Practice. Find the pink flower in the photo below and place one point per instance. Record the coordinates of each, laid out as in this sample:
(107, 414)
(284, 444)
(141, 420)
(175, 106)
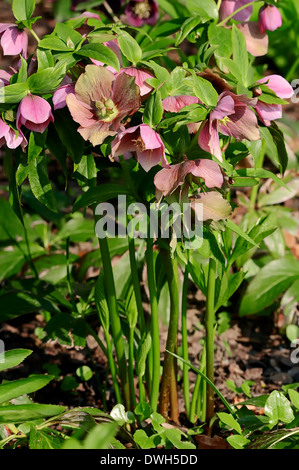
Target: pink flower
(34, 113)
(232, 117)
(269, 18)
(256, 41)
(10, 137)
(139, 12)
(229, 6)
(174, 104)
(140, 79)
(169, 179)
(142, 141)
(4, 78)
(101, 101)
(14, 41)
(59, 96)
(270, 112)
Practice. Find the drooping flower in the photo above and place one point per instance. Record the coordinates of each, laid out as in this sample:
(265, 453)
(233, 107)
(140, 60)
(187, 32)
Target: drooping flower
(172, 177)
(101, 101)
(139, 12)
(269, 18)
(232, 117)
(4, 78)
(140, 79)
(211, 206)
(269, 112)
(141, 141)
(174, 104)
(229, 6)
(59, 96)
(256, 41)
(34, 113)
(14, 41)
(11, 137)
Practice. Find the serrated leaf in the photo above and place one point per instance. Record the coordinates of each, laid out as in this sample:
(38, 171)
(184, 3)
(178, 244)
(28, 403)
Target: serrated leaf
(101, 53)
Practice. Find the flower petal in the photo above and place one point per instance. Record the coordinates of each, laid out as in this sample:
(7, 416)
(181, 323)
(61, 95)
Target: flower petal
(208, 170)
(279, 85)
(256, 41)
(14, 41)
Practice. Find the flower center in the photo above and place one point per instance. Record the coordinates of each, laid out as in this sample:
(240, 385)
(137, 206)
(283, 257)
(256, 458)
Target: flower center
(106, 110)
(142, 9)
(140, 145)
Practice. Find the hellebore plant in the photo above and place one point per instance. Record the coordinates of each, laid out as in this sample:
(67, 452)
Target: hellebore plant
(102, 97)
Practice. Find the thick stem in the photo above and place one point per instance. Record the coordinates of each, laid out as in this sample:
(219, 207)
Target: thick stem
(116, 329)
(168, 390)
(186, 385)
(155, 330)
(259, 162)
(210, 319)
(131, 367)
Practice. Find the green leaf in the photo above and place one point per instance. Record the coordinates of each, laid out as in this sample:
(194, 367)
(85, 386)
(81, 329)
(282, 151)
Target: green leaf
(129, 47)
(294, 397)
(84, 373)
(175, 436)
(14, 304)
(207, 9)
(270, 282)
(235, 228)
(12, 94)
(53, 44)
(142, 353)
(121, 416)
(144, 441)
(66, 129)
(45, 439)
(102, 193)
(204, 90)
(86, 172)
(101, 436)
(23, 9)
(278, 408)
(275, 145)
(153, 111)
(36, 145)
(46, 80)
(230, 421)
(186, 28)
(69, 35)
(13, 357)
(16, 388)
(240, 53)
(40, 183)
(238, 442)
(21, 413)
(100, 52)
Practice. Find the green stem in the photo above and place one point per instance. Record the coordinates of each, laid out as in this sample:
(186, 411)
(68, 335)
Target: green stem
(210, 319)
(168, 392)
(186, 385)
(34, 35)
(219, 4)
(234, 13)
(116, 329)
(136, 284)
(155, 330)
(131, 367)
(259, 162)
(197, 396)
(68, 277)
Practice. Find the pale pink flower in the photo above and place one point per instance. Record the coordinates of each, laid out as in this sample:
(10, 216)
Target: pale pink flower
(101, 101)
(10, 137)
(269, 18)
(256, 41)
(143, 143)
(14, 41)
(270, 112)
(170, 178)
(34, 113)
(140, 79)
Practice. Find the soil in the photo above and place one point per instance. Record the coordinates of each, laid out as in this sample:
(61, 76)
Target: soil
(252, 348)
